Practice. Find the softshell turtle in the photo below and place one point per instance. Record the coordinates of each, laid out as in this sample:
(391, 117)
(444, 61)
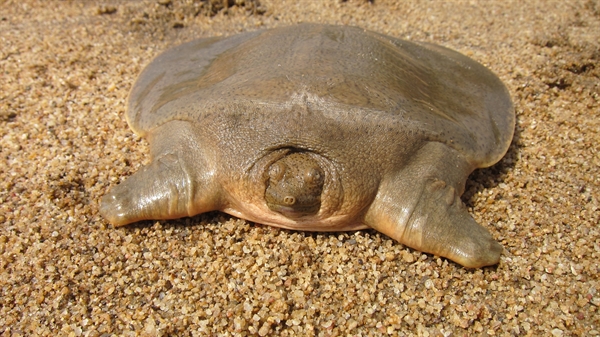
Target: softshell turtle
(319, 128)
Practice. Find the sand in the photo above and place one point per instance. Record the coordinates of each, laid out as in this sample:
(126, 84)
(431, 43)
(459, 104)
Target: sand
(66, 68)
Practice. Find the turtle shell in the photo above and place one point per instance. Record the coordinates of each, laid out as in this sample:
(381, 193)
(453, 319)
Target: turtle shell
(341, 72)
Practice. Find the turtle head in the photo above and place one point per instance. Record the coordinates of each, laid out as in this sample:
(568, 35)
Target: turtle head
(294, 185)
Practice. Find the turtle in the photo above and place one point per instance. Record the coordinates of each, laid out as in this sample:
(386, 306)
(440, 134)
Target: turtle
(318, 127)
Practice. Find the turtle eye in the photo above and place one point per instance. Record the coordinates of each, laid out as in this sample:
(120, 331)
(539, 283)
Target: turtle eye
(277, 171)
(313, 176)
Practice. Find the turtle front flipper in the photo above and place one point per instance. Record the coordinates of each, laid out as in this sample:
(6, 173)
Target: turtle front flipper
(421, 208)
(179, 182)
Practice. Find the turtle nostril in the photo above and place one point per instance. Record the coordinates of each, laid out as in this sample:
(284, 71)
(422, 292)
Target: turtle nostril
(289, 200)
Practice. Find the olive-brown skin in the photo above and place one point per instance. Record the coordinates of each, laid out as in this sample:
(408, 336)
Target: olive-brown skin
(318, 127)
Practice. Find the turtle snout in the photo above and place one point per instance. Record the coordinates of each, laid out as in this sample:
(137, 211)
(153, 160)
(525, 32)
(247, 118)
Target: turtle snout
(289, 200)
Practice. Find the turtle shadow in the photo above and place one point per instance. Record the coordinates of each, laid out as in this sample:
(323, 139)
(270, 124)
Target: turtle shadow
(490, 177)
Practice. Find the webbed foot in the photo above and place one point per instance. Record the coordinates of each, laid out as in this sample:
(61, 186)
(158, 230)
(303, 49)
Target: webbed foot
(161, 190)
(447, 229)
(420, 207)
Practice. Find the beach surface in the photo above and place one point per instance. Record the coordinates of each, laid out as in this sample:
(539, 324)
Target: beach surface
(66, 68)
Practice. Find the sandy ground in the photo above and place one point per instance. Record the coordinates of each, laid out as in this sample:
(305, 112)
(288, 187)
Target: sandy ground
(66, 68)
